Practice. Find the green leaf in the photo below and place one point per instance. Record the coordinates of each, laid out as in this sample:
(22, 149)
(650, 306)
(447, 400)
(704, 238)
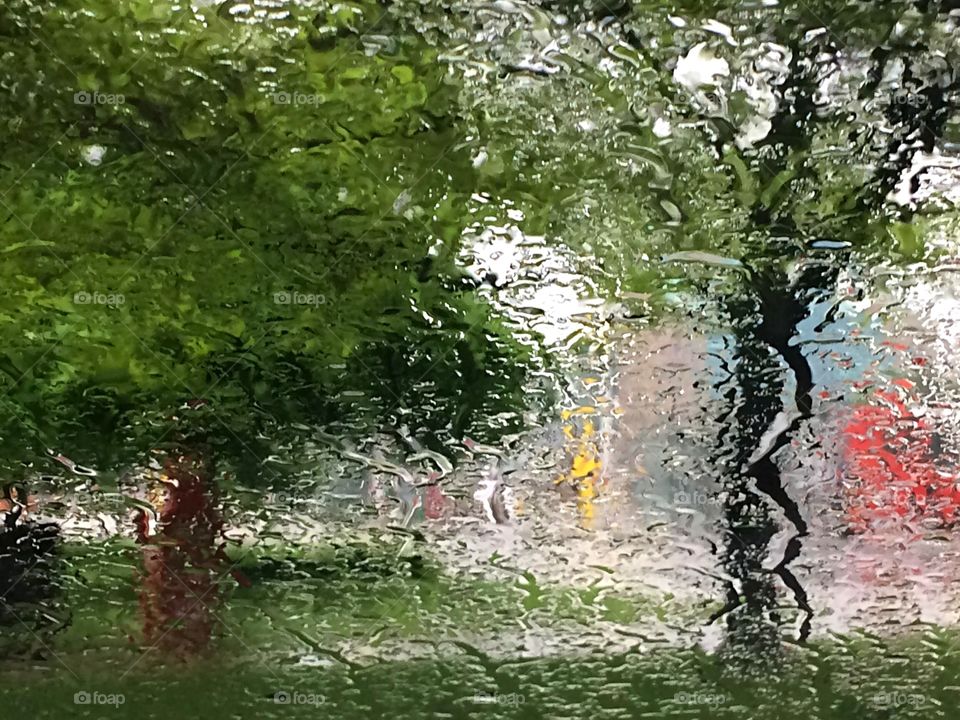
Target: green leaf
(403, 73)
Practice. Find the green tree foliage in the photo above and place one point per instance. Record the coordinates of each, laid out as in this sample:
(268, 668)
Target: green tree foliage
(331, 149)
(278, 201)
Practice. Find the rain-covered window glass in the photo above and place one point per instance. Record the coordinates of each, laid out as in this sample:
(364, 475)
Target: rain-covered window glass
(461, 359)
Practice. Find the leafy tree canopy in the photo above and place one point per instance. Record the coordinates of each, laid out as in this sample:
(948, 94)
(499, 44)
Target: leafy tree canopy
(253, 212)
(279, 191)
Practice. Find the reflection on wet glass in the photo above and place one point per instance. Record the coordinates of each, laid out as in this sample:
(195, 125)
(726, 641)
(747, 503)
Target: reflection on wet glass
(514, 359)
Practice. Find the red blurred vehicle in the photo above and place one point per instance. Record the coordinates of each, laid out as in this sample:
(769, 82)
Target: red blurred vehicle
(893, 470)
